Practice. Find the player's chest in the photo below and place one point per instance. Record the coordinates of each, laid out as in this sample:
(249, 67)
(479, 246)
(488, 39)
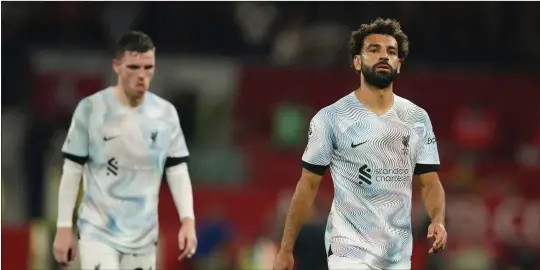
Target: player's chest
(376, 136)
(129, 132)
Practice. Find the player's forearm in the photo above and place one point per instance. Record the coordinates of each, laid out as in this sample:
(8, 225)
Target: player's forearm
(180, 186)
(67, 193)
(434, 201)
(298, 212)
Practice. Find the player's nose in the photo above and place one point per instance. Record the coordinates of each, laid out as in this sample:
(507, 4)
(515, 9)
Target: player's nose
(383, 55)
(141, 75)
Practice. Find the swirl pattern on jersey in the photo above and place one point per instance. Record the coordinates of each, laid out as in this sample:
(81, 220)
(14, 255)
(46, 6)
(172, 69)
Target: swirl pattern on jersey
(372, 161)
(127, 150)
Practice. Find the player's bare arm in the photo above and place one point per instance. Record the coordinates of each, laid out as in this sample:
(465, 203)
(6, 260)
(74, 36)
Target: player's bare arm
(304, 195)
(434, 201)
(357, 137)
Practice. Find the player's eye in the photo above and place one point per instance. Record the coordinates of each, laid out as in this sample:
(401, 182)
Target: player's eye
(148, 67)
(133, 67)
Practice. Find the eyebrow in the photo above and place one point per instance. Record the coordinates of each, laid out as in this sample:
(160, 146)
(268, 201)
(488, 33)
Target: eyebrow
(378, 46)
(138, 66)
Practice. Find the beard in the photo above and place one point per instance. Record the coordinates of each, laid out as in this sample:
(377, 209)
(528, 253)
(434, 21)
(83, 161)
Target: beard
(379, 79)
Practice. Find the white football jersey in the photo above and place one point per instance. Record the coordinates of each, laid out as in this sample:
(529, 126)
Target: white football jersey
(126, 151)
(372, 160)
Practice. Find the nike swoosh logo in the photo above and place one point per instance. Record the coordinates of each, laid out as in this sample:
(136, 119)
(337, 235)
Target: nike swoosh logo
(355, 145)
(109, 138)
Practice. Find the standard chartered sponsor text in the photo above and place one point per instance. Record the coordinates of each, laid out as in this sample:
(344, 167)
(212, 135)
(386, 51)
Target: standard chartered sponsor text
(392, 174)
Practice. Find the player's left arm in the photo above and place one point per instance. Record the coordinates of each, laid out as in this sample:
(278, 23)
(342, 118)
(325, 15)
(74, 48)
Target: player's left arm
(176, 170)
(426, 171)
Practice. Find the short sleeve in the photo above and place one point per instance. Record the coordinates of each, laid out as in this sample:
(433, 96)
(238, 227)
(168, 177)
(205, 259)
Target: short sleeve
(76, 144)
(428, 156)
(178, 150)
(320, 146)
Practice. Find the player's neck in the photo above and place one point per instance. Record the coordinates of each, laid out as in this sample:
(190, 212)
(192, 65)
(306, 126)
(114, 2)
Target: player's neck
(377, 100)
(126, 100)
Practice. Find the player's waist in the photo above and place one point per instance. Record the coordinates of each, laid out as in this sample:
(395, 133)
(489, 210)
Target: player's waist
(379, 211)
(373, 209)
(372, 225)
(384, 233)
(113, 202)
(126, 240)
(371, 254)
(116, 221)
(145, 246)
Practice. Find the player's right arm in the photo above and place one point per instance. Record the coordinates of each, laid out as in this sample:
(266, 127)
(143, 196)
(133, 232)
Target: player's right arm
(315, 161)
(304, 195)
(75, 150)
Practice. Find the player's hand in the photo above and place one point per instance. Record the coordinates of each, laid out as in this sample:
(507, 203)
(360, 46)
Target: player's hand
(284, 261)
(64, 247)
(187, 239)
(437, 232)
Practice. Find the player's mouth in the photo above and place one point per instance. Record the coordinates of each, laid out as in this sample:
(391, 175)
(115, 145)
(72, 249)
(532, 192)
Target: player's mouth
(141, 85)
(383, 67)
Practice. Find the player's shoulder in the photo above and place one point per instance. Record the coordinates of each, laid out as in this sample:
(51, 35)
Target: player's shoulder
(336, 114)
(160, 107)
(338, 108)
(326, 114)
(402, 103)
(159, 102)
(93, 101)
(409, 109)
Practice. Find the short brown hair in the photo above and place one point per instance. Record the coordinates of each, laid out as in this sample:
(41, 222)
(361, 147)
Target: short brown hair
(381, 26)
(133, 41)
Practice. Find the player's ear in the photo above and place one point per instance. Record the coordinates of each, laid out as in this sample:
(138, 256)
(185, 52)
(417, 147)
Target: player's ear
(116, 65)
(399, 66)
(357, 63)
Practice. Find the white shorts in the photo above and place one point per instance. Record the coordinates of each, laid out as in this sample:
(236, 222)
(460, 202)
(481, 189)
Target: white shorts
(341, 263)
(95, 255)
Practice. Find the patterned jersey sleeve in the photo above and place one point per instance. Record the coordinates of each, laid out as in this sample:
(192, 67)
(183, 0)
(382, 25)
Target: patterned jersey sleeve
(320, 146)
(178, 150)
(428, 157)
(75, 146)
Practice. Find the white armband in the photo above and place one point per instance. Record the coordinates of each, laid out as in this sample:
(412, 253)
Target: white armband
(67, 194)
(180, 186)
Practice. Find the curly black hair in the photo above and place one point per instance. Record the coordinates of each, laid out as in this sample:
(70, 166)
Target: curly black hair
(382, 26)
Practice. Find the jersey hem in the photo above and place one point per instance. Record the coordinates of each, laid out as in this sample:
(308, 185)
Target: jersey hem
(362, 255)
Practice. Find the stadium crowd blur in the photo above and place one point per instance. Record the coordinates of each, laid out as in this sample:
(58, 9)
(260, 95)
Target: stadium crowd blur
(246, 77)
